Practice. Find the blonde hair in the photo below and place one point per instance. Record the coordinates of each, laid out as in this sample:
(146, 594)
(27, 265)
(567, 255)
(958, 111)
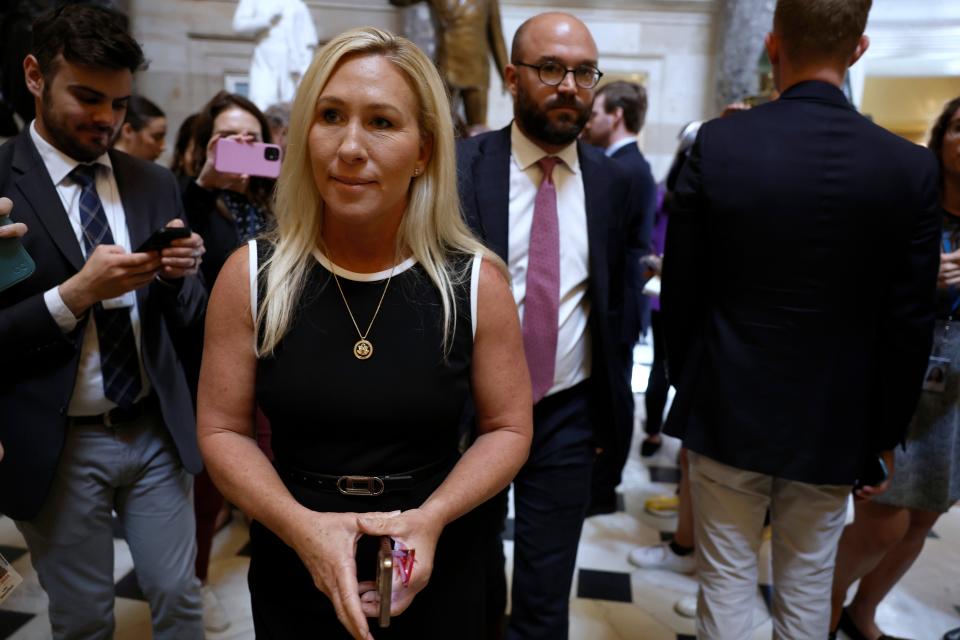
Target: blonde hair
(432, 227)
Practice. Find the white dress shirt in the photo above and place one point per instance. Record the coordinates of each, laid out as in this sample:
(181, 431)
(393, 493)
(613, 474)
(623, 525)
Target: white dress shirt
(573, 338)
(88, 396)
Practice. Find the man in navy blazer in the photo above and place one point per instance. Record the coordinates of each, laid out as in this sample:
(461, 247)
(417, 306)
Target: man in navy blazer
(97, 416)
(583, 401)
(618, 114)
(798, 291)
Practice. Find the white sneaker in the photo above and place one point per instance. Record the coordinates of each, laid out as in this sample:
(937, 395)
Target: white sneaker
(214, 617)
(661, 556)
(686, 606)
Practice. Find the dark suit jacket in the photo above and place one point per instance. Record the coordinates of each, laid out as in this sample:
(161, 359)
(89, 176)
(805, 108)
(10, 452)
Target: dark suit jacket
(798, 287)
(40, 361)
(636, 306)
(483, 168)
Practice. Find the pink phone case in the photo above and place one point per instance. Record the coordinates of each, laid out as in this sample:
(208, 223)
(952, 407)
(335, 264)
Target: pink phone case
(257, 159)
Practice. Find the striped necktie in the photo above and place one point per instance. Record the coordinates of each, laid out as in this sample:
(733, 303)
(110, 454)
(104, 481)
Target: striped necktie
(118, 349)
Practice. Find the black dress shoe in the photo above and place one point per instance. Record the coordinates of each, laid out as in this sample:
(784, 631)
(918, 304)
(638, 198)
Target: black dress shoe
(648, 448)
(953, 634)
(850, 629)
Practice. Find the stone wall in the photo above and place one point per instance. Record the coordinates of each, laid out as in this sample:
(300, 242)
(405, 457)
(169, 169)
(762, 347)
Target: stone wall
(193, 52)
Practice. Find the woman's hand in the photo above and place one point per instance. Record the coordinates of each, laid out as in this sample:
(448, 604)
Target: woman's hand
(415, 529)
(949, 274)
(327, 545)
(210, 178)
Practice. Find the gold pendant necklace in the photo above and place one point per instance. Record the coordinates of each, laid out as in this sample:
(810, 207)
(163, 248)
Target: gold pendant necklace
(362, 348)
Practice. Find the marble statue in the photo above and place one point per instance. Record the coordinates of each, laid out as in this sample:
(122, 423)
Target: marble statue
(286, 40)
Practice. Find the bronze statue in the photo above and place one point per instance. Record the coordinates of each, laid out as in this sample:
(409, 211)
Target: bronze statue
(468, 31)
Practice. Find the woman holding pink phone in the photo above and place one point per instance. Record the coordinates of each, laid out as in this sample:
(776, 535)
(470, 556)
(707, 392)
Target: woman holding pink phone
(226, 209)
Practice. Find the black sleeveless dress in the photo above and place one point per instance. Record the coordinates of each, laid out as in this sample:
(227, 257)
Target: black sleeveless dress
(397, 411)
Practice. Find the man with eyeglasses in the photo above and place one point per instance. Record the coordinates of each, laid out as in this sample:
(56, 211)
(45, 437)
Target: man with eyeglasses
(554, 210)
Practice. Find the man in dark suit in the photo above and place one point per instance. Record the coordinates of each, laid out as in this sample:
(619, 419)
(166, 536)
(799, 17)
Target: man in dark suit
(618, 114)
(798, 291)
(97, 416)
(553, 209)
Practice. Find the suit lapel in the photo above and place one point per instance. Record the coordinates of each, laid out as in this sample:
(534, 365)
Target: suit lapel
(596, 201)
(492, 187)
(135, 203)
(37, 189)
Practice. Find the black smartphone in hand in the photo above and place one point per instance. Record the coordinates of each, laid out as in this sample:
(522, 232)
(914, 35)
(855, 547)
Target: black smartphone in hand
(163, 238)
(874, 473)
(15, 263)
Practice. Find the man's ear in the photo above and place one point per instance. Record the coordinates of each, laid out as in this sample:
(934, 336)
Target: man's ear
(510, 79)
(618, 117)
(33, 76)
(862, 45)
(126, 130)
(772, 44)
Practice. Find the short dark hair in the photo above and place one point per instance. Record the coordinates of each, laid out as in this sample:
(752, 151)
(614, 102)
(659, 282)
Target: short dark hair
(939, 130)
(820, 30)
(85, 34)
(629, 96)
(278, 115)
(140, 111)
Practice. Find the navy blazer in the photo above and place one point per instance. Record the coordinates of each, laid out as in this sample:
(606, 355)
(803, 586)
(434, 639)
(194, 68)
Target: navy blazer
(636, 306)
(40, 361)
(798, 287)
(613, 227)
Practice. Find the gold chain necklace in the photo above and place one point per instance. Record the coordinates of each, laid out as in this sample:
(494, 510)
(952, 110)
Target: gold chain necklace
(363, 348)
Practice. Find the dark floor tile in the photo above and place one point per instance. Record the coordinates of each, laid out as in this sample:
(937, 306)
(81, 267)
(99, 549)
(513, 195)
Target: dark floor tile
(604, 585)
(933, 535)
(766, 591)
(682, 636)
(10, 621)
(245, 551)
(12, 554)
(508, 529)
(664, 474)
(666, 536)
(620, 505)
(128, 587)
(957, 607)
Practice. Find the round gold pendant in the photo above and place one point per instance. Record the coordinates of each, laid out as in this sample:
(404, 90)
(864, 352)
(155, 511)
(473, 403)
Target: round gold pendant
(363, 349)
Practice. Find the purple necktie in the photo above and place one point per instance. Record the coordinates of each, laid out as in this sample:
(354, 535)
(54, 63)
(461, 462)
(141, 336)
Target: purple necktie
(541, 312)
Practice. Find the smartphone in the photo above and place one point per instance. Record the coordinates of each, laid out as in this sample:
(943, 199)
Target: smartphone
(16, 264)
(163, 238)
(257, 159)
(874, 473)
(385, 579)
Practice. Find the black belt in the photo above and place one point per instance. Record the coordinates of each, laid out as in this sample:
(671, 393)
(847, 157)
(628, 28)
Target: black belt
(351, 485)
(119, 416)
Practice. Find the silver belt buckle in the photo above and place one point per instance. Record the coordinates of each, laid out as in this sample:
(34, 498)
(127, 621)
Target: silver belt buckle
(360, 485)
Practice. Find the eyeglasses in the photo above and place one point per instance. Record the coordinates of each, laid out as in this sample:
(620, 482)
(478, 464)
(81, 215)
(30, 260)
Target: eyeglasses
(554, 73)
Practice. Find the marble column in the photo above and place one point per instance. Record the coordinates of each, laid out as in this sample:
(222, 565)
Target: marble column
(742, 27)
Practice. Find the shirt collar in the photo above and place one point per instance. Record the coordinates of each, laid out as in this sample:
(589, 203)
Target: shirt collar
(527, 153)
(59, 165)
(619, 144)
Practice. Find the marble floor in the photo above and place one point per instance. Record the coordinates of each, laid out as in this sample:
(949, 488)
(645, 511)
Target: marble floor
(610, 599)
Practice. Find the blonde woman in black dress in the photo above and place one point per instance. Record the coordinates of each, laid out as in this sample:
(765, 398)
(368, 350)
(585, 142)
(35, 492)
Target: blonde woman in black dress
(361, 327)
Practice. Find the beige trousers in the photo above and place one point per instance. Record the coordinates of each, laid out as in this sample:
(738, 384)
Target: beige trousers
(729, 506)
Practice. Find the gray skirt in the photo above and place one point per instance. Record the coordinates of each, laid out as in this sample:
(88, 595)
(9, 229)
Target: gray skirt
(927, 473)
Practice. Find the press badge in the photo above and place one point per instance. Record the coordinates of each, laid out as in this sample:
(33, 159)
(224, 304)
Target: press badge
(938, 369)
(9, 578)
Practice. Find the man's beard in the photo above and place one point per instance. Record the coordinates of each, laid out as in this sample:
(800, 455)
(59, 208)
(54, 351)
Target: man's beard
(63, 139)
(538, 126)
